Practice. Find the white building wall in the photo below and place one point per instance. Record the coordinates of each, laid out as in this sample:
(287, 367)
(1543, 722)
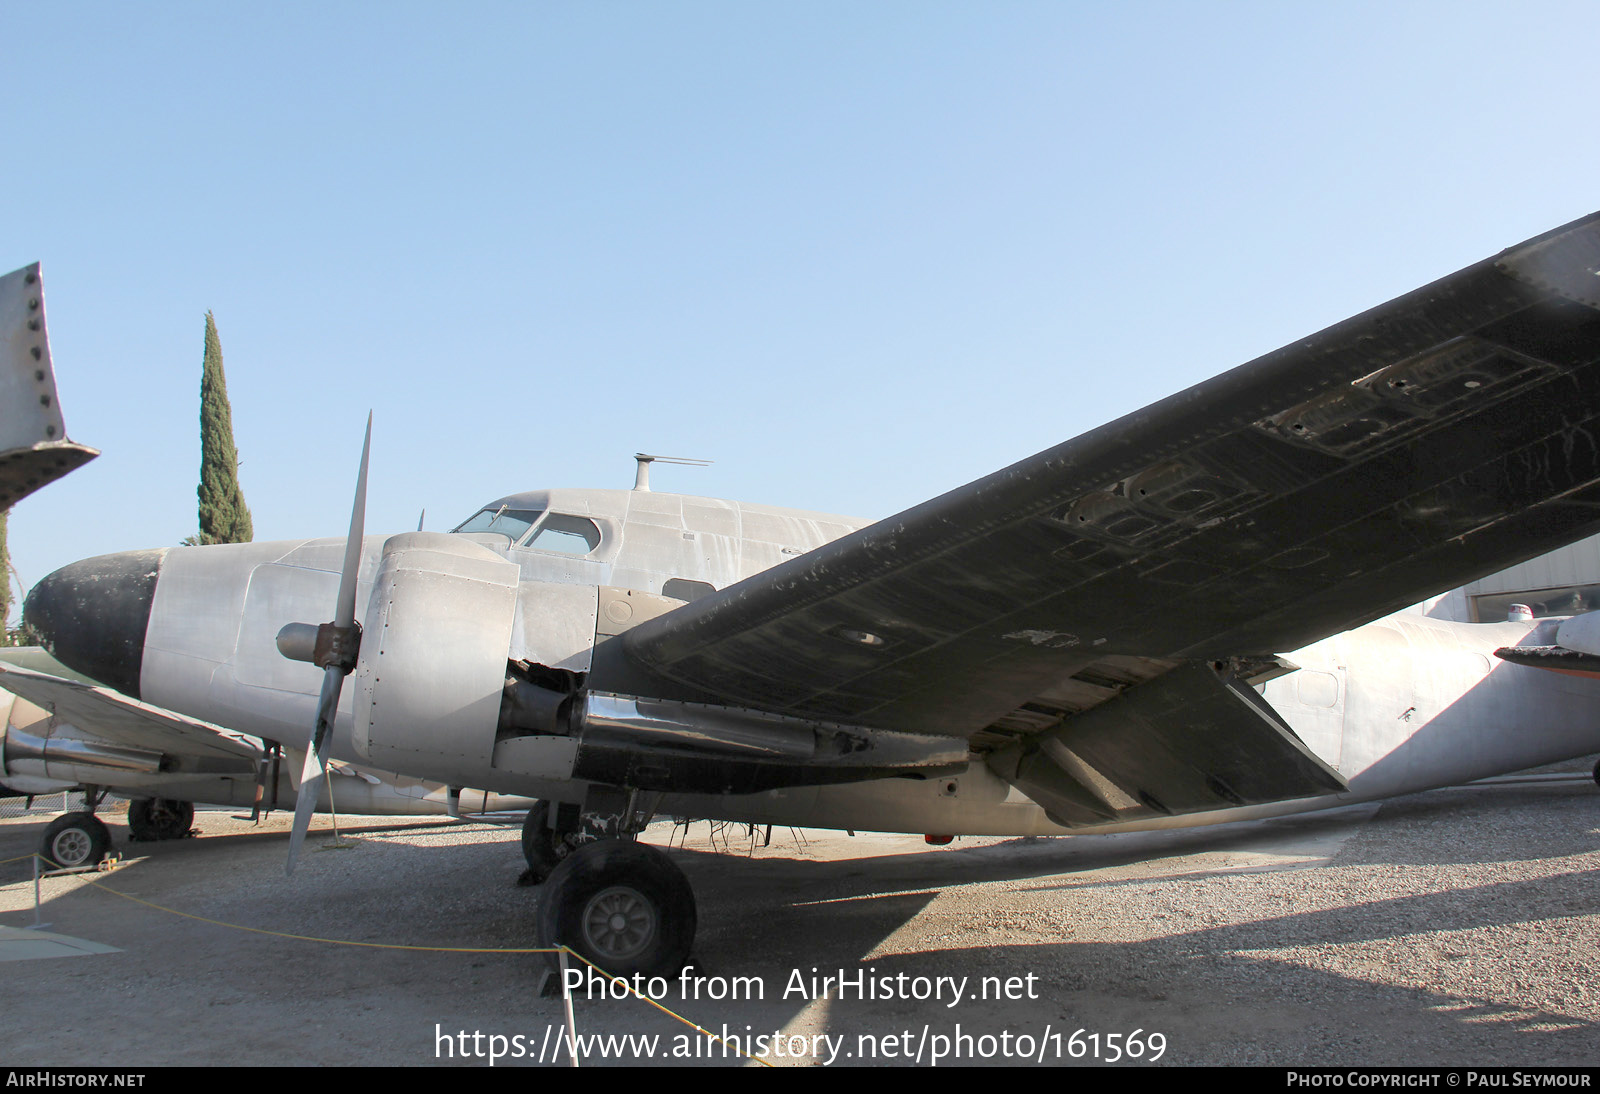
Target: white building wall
(1575, 564)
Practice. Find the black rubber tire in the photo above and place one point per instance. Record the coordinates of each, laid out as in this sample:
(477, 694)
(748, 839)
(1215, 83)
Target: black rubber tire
(152, 819)
(75, 840)
(1597, 772)
(622, 905)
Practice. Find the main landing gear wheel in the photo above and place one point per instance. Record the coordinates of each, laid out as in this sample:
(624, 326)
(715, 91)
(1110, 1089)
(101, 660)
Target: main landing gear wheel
(544, 848)
(152, 819)
(622, 905)
(74, 840)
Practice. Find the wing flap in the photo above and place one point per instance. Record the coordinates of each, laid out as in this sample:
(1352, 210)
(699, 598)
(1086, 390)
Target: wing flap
(1190, 741)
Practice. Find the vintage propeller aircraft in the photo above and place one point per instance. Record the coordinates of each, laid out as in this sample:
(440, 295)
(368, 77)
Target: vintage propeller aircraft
(1140, 627)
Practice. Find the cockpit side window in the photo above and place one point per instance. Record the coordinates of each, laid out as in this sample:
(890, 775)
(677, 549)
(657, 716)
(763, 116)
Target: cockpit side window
(513, 523)
(566, 535)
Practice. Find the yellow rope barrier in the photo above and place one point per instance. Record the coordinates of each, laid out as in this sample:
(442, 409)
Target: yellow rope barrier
(662, 1009)
(97, 883)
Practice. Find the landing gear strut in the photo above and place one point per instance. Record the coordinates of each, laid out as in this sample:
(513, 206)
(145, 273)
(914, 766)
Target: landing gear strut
(546, 842)
(544, 846)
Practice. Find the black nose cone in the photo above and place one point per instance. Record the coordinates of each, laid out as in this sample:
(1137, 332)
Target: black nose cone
(92, 615)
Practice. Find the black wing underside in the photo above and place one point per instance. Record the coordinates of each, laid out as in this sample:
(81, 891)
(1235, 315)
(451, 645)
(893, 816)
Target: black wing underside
(1444, 435)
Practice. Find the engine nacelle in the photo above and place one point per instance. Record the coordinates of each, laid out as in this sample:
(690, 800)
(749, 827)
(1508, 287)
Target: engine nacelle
(445, 690)
(433, 657)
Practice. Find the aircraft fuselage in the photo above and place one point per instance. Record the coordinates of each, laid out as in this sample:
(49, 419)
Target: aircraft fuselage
(1402, 704)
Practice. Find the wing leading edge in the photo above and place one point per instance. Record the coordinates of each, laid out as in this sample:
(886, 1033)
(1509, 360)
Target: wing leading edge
(1441, 436)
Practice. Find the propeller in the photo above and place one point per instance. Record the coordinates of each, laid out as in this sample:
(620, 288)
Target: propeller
(334, 649)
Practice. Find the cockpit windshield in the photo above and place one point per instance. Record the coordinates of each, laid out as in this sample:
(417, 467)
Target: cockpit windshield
(504, 520)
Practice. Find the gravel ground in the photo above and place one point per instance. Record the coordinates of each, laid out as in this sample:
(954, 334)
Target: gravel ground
(1455, 927)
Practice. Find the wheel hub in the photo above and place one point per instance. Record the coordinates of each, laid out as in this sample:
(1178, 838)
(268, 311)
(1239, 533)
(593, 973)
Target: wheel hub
(619, 923)
(72, 847)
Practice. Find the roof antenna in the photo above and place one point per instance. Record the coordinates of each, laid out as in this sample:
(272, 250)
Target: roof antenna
(641, 477)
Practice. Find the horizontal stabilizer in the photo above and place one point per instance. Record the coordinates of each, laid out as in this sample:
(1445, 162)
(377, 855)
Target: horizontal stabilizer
(1575, 652)
(1555, 658)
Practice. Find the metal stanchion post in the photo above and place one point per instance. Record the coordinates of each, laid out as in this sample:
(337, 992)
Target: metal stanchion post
(566, 996)
(37, 925)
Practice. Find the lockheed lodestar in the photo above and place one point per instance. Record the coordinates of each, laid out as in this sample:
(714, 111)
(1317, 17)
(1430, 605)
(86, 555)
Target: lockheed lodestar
(1169, 620)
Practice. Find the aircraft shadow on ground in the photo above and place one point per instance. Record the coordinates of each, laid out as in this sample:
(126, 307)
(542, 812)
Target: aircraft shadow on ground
(767, 916)
(1221, 984)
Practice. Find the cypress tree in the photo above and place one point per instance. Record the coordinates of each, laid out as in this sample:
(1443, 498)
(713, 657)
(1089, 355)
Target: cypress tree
(224, 517)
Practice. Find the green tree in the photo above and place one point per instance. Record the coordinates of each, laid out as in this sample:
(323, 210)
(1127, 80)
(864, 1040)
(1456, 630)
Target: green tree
(224, 517)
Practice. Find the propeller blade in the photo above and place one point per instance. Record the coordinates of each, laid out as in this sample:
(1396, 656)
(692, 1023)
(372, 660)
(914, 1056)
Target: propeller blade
(346, 613)
(316, 765)
(347, 643)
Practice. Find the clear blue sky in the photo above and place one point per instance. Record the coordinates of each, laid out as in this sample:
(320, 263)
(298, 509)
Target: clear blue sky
(856, 253)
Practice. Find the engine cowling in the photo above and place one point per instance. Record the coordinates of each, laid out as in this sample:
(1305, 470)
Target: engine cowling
(433, 657)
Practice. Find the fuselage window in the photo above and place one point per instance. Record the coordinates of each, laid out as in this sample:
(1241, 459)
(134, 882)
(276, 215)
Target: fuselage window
(1317, 689)
(566, 535)
(507, 522)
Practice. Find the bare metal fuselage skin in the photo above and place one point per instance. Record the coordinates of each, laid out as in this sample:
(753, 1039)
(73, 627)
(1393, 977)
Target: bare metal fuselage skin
(1403, 704)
